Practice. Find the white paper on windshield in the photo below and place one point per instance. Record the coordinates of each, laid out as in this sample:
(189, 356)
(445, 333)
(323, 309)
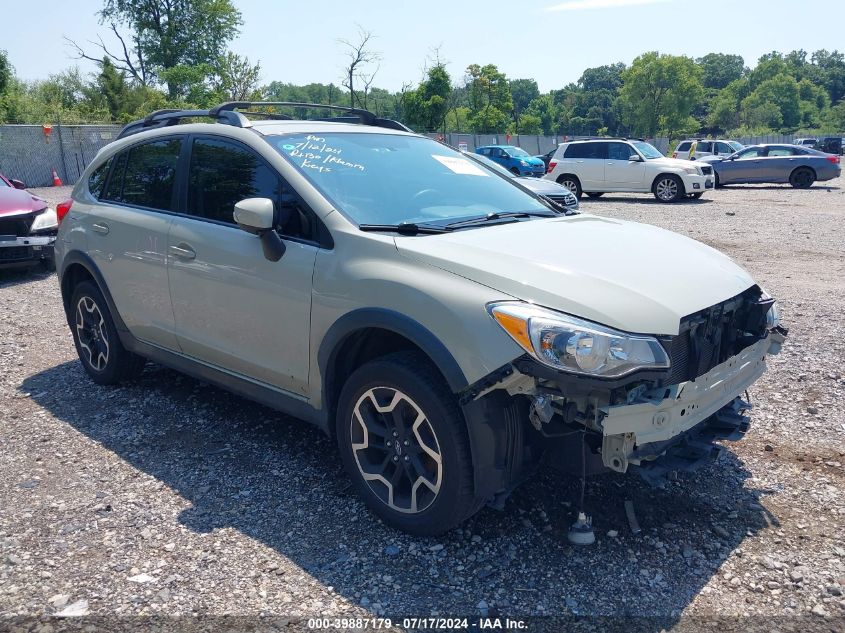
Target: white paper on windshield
(460, 165)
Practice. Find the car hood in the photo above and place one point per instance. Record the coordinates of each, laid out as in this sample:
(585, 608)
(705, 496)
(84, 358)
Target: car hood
(711, 159)
(531, 160)
(630, 276)
(16, 201)
(541, 186)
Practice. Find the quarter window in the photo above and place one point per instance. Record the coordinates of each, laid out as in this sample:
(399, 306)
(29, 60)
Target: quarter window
(223, 173)
(97, 179)
(145, 174)
(587, 150)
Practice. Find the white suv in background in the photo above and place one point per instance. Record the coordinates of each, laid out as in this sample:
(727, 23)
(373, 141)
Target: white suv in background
(597, 166)
(693, 148)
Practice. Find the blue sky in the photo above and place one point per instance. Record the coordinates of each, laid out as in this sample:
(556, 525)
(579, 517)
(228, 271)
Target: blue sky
(551, 41)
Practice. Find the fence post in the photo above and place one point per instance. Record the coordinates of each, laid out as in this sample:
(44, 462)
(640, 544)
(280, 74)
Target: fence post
(61, 147)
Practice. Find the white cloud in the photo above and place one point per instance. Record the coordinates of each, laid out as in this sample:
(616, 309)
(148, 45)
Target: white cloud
(578, 5)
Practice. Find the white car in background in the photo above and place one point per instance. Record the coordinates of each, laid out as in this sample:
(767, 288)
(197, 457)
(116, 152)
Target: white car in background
(597, 166)
(692, 149)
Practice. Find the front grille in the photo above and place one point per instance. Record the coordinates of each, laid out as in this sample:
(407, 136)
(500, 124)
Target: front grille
(711, 336)
(14, 253)
(567, 200)
(706, 170)
(18, 225)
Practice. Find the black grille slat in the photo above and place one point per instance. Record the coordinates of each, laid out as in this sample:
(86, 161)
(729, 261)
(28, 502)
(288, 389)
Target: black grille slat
(710, 337)
(13, 253)
(18, 225)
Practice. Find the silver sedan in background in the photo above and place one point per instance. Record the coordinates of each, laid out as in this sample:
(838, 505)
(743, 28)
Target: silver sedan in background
(799, 166)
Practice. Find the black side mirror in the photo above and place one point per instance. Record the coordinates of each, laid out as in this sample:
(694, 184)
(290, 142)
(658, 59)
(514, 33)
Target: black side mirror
(17, 184)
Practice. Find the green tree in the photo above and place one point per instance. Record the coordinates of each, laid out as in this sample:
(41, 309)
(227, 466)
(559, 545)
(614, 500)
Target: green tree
(426, 107)
(780, 92)
(111, 90)
(719, 69)
(6, 72)
(831, 72)
(237, 78)
(660, 92)
(490, 99)
(608, 77)
(157, 36)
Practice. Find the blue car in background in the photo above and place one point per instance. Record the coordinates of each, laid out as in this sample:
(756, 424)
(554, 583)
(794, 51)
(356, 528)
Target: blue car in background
(516, 160)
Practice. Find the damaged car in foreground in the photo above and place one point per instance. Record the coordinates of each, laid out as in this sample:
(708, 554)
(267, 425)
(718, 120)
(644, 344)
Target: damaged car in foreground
(28, 227)
(452, 330)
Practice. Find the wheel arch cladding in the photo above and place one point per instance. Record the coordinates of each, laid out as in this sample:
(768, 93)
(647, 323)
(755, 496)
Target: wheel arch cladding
(77, 267)
(363, 335)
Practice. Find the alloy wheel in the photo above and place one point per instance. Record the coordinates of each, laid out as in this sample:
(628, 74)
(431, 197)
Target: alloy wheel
(91, 332)
(396, 450)
(667, 189)
(571, 185)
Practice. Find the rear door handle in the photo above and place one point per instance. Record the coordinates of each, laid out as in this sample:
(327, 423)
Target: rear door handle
(183, 251)
(101, 228)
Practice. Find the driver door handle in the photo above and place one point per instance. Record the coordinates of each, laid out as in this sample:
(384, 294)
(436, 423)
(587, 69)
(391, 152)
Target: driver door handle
(182, 251)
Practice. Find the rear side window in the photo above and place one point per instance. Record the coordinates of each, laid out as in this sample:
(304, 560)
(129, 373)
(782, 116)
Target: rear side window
(145, 175)
(781, 151)
(684, 146)
(586, 150)
(724, 148)
(223, 173)
(97, 179)
(704, 146)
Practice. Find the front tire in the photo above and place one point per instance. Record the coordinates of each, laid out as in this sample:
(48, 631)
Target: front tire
(595, 194)
(802, 178)
(99, 348)
(668, 188)
(404, 444)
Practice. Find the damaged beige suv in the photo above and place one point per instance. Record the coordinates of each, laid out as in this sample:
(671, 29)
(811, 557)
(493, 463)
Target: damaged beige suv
(445, 324)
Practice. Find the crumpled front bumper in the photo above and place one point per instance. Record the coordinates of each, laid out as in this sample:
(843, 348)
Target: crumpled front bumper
(23, 251)
(698, 411)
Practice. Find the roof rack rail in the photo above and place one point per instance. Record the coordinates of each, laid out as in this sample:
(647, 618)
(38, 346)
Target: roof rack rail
(364, 117)
(228, 114)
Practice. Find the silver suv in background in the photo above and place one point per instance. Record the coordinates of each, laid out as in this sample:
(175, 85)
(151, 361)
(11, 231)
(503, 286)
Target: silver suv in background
(598, 166)
(693, 149)
(446, 326)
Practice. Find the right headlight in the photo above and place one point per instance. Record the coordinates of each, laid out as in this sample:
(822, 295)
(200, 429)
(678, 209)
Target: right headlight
(45, 221)
(577, 346)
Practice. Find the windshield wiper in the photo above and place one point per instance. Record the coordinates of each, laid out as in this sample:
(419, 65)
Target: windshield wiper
(404, 228)
(493, 217)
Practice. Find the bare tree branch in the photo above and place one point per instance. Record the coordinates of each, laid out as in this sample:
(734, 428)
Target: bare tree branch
(122, 62)
(359, 56)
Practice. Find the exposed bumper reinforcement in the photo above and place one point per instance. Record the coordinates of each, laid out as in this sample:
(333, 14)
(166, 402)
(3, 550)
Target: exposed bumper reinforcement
(694, 448)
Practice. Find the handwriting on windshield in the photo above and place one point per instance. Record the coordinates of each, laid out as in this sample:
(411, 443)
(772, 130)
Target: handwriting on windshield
(314, 153)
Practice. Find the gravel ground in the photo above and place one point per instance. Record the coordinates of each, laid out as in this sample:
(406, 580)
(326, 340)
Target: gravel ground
(170, 497)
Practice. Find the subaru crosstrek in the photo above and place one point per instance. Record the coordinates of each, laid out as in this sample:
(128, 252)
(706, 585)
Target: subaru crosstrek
(446, 325)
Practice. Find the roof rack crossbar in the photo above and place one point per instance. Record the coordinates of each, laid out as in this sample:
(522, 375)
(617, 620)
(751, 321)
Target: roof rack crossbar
(227, 113)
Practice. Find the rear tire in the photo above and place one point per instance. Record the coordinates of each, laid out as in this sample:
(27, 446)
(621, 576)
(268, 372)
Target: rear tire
(595, 194)
(802, 178)
(668, 188)
(572, 183)
(100, 351)
(404, 444)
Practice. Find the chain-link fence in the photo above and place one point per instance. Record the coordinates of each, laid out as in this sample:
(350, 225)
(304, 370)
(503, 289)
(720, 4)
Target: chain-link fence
(31, 152)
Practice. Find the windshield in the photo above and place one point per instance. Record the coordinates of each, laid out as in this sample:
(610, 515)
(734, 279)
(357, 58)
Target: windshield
(395, 179)
(736, 146)
(647, 150)
(516, 152)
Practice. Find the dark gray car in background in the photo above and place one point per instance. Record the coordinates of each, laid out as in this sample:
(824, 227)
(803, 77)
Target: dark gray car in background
(775, 163)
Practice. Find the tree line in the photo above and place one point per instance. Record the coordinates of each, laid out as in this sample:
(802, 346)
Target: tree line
(175, 54)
